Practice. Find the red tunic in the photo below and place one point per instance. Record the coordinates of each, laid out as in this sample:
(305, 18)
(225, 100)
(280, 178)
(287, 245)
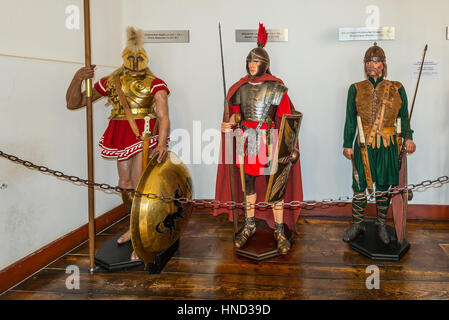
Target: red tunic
(254, 165)
(119, 141)
(294, 184)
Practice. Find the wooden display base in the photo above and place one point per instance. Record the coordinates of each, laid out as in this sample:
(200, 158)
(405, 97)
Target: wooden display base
(369, 245)
(262, 245)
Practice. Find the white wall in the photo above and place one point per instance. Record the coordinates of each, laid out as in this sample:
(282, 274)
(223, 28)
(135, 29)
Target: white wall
(318, 69)
(35, 208)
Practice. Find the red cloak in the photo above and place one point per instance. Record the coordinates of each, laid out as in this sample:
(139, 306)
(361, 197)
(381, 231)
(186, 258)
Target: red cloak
(223, 186)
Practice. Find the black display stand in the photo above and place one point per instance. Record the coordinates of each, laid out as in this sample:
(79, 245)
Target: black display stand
(162, 259)
(114, 257)
(262, 245)
(369, 245)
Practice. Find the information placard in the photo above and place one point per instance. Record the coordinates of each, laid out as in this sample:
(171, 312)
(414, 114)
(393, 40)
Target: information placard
(366, 33)
(250, 35)
(166, 36)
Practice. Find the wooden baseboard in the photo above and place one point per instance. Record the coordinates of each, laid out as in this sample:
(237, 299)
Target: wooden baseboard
(415, 211)
(22, 269)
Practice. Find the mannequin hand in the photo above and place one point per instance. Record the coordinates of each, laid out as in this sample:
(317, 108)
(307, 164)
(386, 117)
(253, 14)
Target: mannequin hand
(225, 126)
(348, 153)
(162, 150)
(85, 73)
(410, 146)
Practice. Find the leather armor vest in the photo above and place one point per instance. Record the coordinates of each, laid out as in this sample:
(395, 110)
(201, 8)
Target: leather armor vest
(258, 102)
(136, 89)
(368, 102)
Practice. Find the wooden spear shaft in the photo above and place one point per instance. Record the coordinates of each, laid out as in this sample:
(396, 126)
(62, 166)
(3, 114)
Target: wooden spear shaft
(227, 147)
(90, 148)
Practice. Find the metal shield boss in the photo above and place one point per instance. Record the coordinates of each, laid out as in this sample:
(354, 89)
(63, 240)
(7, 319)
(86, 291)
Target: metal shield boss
(157, 224)
(284, 156)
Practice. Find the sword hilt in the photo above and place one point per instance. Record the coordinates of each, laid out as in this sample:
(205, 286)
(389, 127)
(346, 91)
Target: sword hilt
(146, 131)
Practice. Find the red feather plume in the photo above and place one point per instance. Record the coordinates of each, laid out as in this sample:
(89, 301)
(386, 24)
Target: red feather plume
(262, 36)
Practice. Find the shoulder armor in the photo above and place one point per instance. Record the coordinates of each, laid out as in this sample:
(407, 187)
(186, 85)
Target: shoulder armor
(356, 84)
(235, 99)
(278, 91)
(397, 84)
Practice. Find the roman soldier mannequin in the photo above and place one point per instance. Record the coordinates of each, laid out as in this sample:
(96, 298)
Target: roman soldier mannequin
(135, 93)
(378, 109)
(257, 103)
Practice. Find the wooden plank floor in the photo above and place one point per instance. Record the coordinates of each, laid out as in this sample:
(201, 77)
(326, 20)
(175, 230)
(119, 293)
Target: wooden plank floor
(319, 266)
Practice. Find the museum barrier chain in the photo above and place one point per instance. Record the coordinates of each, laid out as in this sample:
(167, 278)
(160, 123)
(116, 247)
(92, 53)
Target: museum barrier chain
(216, 203)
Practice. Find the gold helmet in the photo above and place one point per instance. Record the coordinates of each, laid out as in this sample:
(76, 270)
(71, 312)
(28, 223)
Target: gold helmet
(376, 54)
(134, 55)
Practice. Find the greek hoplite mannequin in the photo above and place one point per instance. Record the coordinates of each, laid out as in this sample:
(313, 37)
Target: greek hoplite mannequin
(134, 93)
(377, 109)
(257, 103)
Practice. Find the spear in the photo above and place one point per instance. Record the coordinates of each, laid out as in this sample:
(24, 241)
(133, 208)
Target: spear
(226, 119)
(90, 149)
(401, 154)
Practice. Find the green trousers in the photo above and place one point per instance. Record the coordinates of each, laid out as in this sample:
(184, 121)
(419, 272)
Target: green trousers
(384, 171)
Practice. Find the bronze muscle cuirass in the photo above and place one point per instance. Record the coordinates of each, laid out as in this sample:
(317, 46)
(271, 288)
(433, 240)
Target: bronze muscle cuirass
(258, 102)
(136, 89)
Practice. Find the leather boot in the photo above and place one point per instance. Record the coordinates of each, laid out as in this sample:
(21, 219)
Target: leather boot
(248, 230)
(353, 232)
(383, 233)
(282, 242)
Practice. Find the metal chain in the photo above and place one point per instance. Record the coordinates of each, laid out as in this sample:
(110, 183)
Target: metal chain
(216, 203)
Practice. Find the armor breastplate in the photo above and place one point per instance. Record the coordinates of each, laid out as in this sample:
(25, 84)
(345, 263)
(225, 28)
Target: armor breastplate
(368, 102)
(258, 102)
(136, 89)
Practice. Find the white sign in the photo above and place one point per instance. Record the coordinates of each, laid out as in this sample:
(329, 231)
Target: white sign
(166, 36)
(430, 69)
(366, 33)
(250, 35)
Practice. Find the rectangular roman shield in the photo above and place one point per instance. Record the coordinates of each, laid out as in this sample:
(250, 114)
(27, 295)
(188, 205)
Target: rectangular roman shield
(280, 168)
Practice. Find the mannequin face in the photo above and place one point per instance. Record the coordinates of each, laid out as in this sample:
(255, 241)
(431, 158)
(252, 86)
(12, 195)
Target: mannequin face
(374, 69)
(135, 63)
(253, 67)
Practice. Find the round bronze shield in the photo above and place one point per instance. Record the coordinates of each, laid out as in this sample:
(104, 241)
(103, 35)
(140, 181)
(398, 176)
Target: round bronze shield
(156, 224)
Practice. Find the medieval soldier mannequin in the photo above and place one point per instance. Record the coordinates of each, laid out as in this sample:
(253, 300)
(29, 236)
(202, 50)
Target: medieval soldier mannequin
(143, 95)
(378, 109)
(257, 102)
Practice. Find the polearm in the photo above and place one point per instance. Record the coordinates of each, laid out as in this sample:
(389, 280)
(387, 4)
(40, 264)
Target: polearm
(90, 148)
(401, 154)
(226, 119)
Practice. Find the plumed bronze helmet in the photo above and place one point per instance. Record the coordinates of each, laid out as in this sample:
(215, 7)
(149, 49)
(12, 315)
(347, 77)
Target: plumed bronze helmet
(376, 54)
(259, 53)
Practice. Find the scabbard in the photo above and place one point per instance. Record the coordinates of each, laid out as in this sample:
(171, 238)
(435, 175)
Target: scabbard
(365, 159)
(146, 144)
(241, 158)
(398, 135)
